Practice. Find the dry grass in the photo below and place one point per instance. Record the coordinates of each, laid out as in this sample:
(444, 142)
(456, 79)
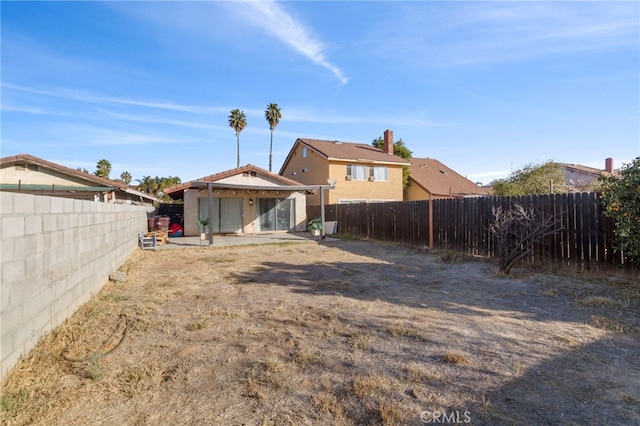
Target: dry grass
(612, 324)
(398, 329)
(599, 301)
(454, 358)
(366, 386)
(373, 334)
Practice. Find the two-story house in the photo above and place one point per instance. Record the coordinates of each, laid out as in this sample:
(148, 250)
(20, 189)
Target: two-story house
(361, 172)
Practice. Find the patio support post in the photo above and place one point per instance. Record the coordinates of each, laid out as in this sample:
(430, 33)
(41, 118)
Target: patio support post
(322, 231)
(210, 202)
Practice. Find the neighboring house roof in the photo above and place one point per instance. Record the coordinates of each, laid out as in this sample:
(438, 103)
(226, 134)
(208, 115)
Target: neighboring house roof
(86, 181)
(347, 151)
(278, 181)
(582, 169)
(438, 179)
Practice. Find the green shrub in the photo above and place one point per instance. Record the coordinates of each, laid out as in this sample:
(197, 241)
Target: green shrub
(621, 198)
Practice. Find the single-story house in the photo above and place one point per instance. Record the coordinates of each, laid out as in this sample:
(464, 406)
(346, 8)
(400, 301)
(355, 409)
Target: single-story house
(28, 174)
(244, 200)
(429, 179)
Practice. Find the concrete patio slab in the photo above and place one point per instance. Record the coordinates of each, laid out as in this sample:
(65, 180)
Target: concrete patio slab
(241, 239)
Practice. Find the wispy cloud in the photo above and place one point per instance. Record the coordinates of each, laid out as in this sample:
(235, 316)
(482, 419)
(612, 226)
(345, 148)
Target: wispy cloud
(82, 96)
(283, 26)
(465, 33)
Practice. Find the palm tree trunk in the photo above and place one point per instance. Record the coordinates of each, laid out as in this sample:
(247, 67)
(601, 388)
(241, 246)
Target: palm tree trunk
(270, 149)
(238, 150)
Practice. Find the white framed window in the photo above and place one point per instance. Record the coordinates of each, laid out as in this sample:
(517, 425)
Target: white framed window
(378, 173)
(356, 172)
(350, 201)
(304, 152)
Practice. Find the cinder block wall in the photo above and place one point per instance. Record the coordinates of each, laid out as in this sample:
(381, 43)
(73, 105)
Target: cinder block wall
(56, 253)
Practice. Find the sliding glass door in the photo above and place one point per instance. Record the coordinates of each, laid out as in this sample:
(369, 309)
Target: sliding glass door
(227, 214)
(275, 214)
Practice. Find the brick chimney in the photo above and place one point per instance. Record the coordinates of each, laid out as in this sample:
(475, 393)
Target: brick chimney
(388, 141)
(608, 165)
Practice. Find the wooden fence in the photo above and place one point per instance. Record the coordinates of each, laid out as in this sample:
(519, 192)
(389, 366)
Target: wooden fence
(584, 239)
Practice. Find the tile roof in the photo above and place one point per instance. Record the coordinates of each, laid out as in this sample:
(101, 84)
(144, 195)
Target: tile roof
(584, 169)
(438, 179)
(89, 177)
(231, 172)
(351, 151)
(31, 159)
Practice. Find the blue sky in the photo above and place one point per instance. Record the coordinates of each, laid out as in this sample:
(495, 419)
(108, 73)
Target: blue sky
(484, 87)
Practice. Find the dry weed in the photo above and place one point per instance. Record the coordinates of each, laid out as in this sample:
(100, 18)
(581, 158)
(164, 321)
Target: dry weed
(599, 301)
(197, 325)
(303, 356)
(366, 386)
(418, 373)
(392, 413)
(397, 329)
(333, 285)
(611, 324)
(361, 342)
(630, 399)
(329, 403)
(454, 358)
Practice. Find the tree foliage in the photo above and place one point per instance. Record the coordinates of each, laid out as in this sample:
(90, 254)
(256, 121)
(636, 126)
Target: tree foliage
(273, 115)
(155, 186)
(103, 169)
(621, 198)
(401, 150)
(125, 177)
(237, 121)
(532, 179)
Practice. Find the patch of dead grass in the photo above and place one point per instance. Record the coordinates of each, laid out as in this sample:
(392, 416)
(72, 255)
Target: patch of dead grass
(455, 358)
(599, 301)
(333, 285)
(612, 324)
(420, 373)
(397, 329)
(392, 413)
(367, 386)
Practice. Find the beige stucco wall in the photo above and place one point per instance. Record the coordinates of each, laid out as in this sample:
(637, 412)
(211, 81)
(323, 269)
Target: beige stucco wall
(371, 191)
(319, 169)
(312, 170)
(13, 175)
(416, 192)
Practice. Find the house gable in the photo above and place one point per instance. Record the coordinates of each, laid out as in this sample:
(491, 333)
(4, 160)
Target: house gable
(248, 175)
(430, 178)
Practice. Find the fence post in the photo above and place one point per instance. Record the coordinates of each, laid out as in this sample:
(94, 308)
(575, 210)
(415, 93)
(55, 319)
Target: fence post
(430, 224)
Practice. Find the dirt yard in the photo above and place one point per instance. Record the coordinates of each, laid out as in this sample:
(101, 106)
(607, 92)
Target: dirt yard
(336, 333)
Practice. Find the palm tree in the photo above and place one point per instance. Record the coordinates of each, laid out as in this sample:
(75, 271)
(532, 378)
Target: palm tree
(238, 121)
(273, 116)
(126, 177)
(103, 168)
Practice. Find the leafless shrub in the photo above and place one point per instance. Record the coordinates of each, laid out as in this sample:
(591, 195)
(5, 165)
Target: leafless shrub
(518, 230)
